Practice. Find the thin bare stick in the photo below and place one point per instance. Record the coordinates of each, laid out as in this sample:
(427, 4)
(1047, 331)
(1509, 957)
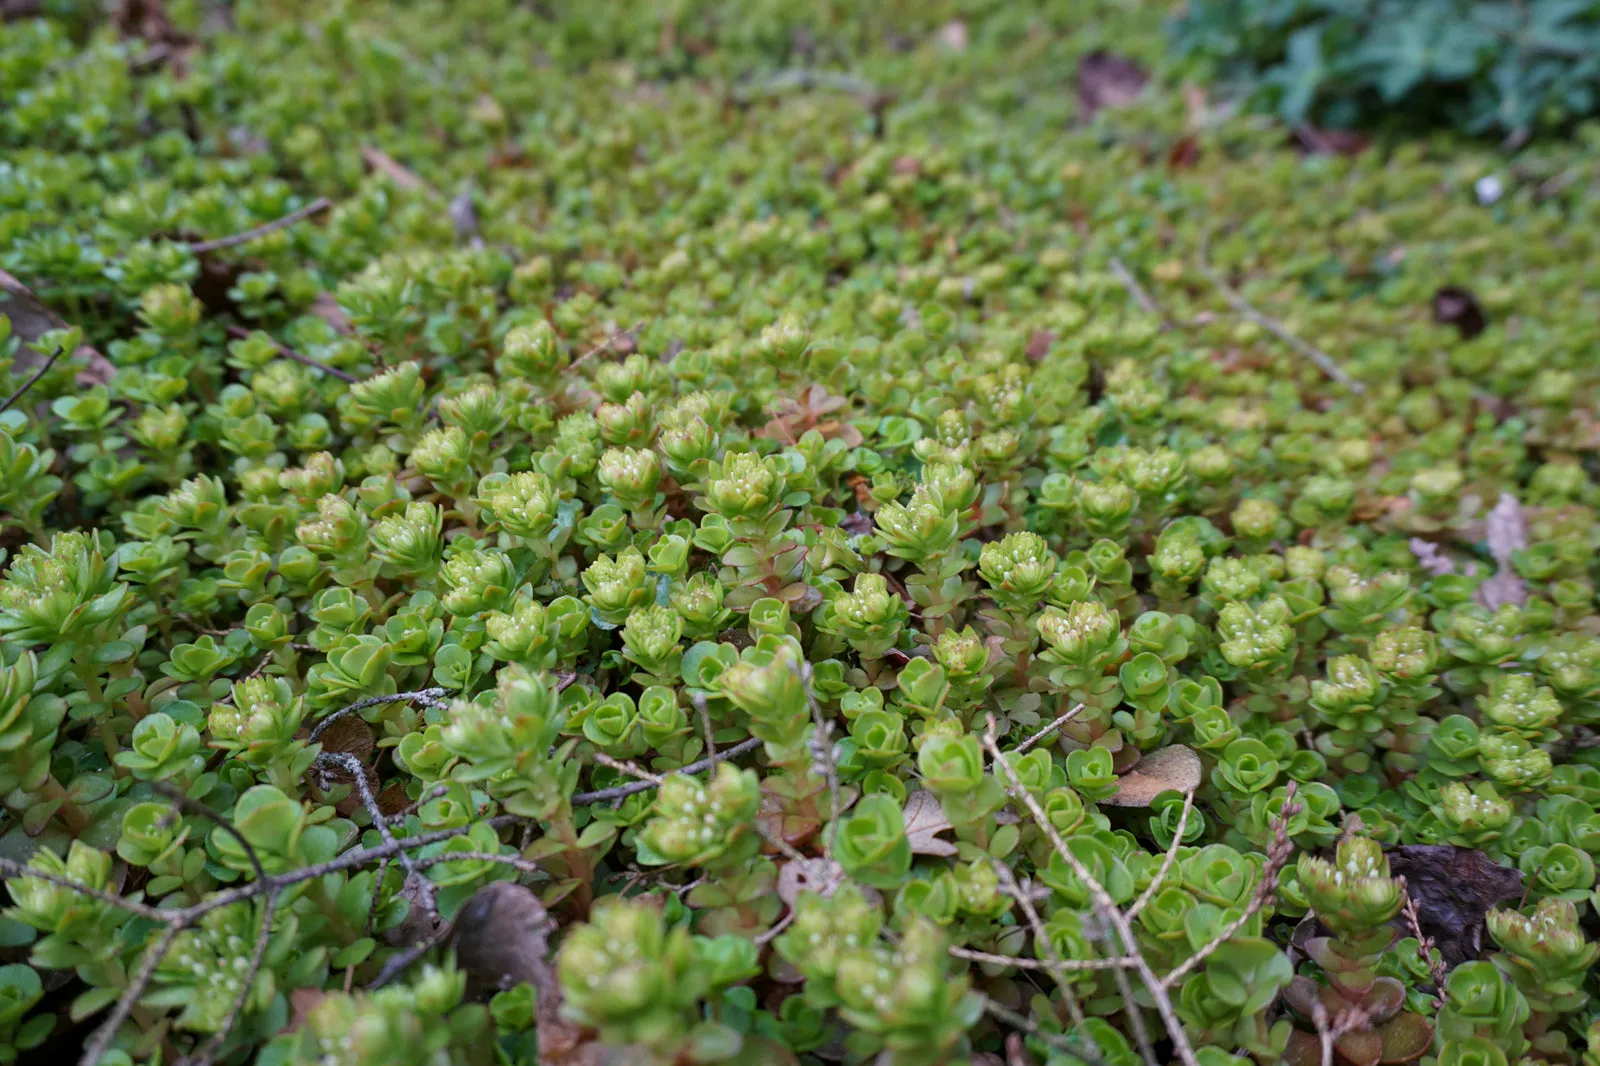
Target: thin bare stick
(628, 768)
(1031, 1027)
(208, 1053)
(516, 862)
(13, 869)
(705, 724)
(1022, 748)
(428, 697)
(182, 802)
(1105, 905)
(1166, 864)
(97, 1045)
(358, 776)
(1041, 938)
(602, 346)
(304, 360)
(1277, 854)
(1322, 359)
(1036, 964)
(33, 379)
(822, 757)
(1319, 1020)
(315, 207)
(1140, 294)
(772, 934)
(399, 964)
(624, 791)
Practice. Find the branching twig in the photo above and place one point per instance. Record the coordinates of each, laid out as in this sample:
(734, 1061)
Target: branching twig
(822, 756)
(1106, 907)
(1277, 854)
(358, 776)
(1036, 964)
(315, 207)
(304, 360)
(207, 1054)
(1053, 960)
(623, 791)
(1322, 359)
(624, 767)
(33, 379)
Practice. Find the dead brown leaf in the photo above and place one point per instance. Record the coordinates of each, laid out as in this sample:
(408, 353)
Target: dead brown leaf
(1453, 888)
(925, 820)
(1107, 80)
(502, 936)
(1458, 307)
(31, 318)
(1173, 768)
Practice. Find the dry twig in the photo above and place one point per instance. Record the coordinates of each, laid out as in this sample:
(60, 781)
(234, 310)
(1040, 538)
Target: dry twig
(1106, 907)
(1166, 864)
(1022, 748)
(618, 792)
(1277, 854)
(44, 369)
(1322, 359)
(315, 207)
(304, 360)
(1424, 942)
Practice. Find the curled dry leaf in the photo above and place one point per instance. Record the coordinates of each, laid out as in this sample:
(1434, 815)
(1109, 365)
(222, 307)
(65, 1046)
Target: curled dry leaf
(925, 820)
(1173, 768)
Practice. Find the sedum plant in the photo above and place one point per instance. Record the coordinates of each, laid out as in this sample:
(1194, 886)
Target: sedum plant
(750, 533)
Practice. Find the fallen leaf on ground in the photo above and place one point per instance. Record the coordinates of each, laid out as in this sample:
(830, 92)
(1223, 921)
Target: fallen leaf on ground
(1173, 768)
(1453, 888)
(1455, 306)
(31, 318)
(924, 821)
(1106, 80)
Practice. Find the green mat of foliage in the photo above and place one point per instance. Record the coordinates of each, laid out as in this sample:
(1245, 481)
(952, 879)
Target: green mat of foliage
(802, 532)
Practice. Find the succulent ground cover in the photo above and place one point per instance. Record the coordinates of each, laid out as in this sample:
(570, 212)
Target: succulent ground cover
(780, 532)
